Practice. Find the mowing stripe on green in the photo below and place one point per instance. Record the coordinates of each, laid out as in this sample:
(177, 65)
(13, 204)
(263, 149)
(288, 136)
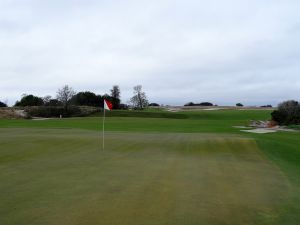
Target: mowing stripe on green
(61, 176)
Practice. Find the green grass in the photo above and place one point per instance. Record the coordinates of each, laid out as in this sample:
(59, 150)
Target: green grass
(296, 127)
(135, 121)
(195, 169)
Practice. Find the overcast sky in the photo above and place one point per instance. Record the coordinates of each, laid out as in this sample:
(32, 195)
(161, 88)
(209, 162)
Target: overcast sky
(178, 50)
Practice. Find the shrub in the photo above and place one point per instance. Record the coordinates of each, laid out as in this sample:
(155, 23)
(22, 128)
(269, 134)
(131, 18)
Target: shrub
(288, 113)
(124, 106)
(56, 111)
(189, 104)
(2, 104)
(199, 104)
(30, 100)
(154, 104)
(206, 104)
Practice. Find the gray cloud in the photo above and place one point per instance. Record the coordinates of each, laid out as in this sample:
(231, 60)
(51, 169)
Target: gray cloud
(220, 51)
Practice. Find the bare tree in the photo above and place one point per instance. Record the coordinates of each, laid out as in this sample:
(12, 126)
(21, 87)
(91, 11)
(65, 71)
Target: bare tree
(64, 95)
(46, 99)
(115, 96)
(139, 100)
(115, 92)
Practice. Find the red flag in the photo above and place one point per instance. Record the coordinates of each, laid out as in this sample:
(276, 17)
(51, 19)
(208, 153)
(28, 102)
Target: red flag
(108, 105)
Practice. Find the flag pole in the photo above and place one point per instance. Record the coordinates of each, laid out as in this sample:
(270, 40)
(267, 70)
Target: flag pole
(103, 126)
(106, 105)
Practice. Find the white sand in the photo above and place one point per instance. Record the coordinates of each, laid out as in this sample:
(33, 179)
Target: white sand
(260, 131)
(211, 109)
(40, 118)
(241, 127)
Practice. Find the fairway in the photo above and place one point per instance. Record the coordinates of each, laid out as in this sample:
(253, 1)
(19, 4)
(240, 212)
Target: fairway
(62, 176)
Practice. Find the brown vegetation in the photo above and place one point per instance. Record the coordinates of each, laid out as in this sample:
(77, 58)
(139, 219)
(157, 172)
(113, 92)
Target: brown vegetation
(9, 113)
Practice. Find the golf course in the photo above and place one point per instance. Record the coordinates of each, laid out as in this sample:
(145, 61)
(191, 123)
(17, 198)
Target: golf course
(157, 168)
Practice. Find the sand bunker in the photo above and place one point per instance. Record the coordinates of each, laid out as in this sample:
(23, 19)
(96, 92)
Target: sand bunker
(261, 131)
(40, 118)
(241, 127)
(212, 109)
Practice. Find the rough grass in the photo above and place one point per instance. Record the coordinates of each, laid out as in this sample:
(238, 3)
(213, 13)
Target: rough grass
(63, 177)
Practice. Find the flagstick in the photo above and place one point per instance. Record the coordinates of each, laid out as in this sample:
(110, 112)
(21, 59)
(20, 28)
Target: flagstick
(103, 128)
(106, 105)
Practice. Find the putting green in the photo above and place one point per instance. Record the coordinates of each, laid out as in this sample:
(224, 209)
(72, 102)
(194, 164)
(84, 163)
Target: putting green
(62, 176)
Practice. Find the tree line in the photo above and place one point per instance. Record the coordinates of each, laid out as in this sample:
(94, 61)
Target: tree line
(287, 113)
(66, 96)
(68, 103)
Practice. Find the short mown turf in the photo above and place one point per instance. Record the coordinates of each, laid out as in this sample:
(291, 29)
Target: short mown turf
(152, 171)
(64, 177)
